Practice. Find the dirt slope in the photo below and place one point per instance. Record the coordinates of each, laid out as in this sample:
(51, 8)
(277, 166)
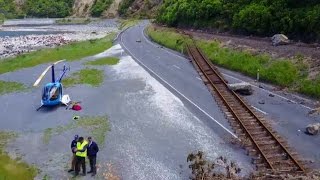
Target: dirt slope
(81, 8)
(113, 9)
(144, 8)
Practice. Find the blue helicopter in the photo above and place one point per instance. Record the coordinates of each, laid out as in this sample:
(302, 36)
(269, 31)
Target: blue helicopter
(52, 92)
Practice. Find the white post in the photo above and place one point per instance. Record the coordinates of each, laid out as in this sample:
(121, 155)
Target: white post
(258, 75)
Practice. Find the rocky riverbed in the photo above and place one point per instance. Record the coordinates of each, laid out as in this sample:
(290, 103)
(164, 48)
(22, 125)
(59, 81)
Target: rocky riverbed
(61, 34)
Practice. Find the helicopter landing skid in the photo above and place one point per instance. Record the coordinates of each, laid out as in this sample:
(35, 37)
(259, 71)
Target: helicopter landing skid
(39, 107)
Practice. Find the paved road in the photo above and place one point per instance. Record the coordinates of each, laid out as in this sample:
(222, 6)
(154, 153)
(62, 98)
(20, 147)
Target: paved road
(178, 75)
(173, 70)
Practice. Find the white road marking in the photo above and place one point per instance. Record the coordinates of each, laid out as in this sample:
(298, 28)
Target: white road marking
(263, 112)
(176, 66)
(194, 104)
(199, 78)
(307, 107)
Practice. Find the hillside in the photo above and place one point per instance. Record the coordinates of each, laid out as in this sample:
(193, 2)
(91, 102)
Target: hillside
(298, 19)
(78, 8)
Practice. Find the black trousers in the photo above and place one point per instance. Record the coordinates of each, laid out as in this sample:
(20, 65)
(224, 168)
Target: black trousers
(80, 161)
(93, 161)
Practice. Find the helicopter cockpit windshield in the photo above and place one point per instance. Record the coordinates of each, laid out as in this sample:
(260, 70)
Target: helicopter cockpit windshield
(51, 92)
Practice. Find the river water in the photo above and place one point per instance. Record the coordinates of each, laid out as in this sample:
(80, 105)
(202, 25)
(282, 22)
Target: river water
(24, 33)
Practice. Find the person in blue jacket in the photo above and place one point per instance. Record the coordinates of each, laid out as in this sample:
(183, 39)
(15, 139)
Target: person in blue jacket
(73, 146)
(93, 149)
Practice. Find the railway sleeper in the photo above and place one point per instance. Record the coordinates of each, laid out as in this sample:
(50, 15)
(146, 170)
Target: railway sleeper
(265, 138)
(276, 155)
(271, 149)
(283, 163)
(252, 124)
(247, 118)
(258, 134)
(255, 128)
(266, 143)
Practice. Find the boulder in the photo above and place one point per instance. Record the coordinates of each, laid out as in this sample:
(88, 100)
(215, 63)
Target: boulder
(313, 129)
(241, 88)
(279, 39)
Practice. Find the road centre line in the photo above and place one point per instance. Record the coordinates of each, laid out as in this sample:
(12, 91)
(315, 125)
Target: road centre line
(194, 104)
(263, 112)
(176, 66)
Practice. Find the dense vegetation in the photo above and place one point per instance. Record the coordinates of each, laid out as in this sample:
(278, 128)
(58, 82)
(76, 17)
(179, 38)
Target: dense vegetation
(48, 8)
(7, 10)
(295, 18)
(36, 8)
(99, 6)
(123, 7)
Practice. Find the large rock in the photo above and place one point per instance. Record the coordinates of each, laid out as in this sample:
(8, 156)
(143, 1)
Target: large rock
(279, 39)
(241, 88)
(313, 129)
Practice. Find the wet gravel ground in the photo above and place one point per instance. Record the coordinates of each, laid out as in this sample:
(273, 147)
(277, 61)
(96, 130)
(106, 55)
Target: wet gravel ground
(152, 132)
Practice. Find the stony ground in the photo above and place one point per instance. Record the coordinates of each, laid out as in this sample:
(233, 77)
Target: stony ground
(61, 34)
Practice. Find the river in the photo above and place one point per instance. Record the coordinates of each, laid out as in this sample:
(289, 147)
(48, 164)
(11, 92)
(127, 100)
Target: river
(24, 33)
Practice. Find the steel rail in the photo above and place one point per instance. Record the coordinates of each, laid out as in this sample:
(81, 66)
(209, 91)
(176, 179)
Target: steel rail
(244, 105)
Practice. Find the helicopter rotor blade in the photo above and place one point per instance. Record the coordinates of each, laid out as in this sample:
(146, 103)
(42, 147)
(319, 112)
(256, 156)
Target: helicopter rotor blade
(41, 76)
(59, 62)
(45, 72)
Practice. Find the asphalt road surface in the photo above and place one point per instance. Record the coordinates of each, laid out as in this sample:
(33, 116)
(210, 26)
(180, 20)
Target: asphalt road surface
(288, 117)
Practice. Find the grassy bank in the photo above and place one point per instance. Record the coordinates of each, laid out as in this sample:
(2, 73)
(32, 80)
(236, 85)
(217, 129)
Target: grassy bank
(73, 21)
(104, 61)
(74, 51)
(93, 77)
(13, 169)
(125, 23)
(282, 72)
(9, 87)
(96, 126)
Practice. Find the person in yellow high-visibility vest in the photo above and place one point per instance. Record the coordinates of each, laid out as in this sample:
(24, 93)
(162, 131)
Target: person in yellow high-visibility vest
(81, 154)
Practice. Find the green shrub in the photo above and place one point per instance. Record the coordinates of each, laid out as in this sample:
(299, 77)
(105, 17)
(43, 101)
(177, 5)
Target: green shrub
(310, 87)
(124, 5)
(99, 6)
(253, 18)
(48, 8)
(1, 18)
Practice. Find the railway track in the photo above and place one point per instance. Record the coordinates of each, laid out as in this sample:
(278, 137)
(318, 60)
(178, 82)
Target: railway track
(269, 151)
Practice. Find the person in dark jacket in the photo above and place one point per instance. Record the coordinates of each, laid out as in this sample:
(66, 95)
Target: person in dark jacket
(92, 155)
(73, 146)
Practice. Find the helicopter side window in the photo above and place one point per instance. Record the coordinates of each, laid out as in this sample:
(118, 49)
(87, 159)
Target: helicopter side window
(45, 93)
